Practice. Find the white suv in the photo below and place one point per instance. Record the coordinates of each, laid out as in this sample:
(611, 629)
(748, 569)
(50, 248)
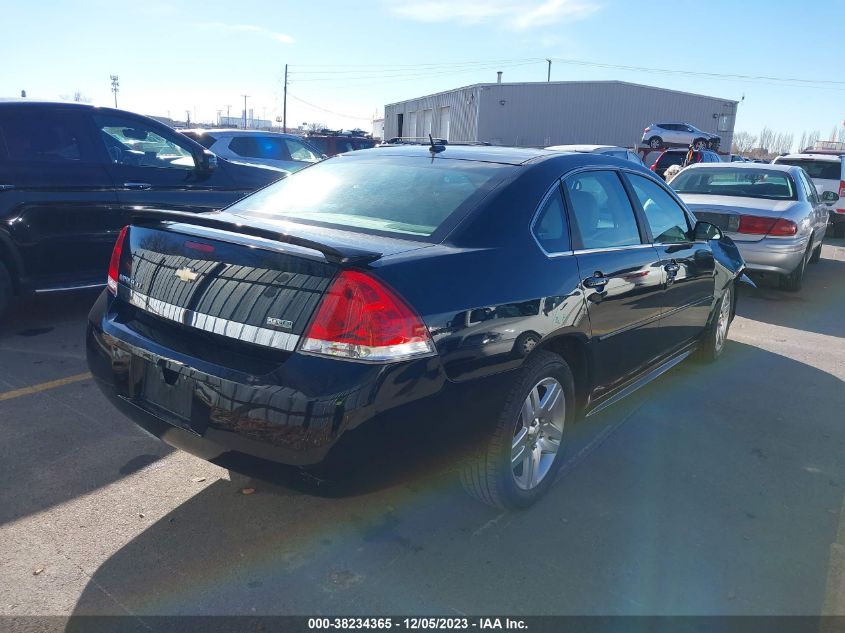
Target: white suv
(658, 135)
(828, 174)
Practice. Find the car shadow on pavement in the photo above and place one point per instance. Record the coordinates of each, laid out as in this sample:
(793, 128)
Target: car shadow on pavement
(717, 492)
(66, 441)
(818, 307)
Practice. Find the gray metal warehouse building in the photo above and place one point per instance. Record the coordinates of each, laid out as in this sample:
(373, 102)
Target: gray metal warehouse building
(536, 114)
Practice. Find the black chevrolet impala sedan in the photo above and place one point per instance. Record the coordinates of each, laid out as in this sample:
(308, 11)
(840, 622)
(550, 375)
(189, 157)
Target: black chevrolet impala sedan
(513, 291)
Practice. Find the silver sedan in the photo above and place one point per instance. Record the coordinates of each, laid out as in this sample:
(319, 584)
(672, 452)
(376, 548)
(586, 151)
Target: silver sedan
(772, 212)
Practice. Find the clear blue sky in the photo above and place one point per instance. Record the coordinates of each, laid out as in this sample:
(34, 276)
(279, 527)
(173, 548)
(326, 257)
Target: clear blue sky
(172, 56)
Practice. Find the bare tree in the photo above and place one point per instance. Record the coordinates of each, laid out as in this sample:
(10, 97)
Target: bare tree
(77, 96)
(743, 142)
(813, 137)
(315, 127)
(803, 142)
(766, 138)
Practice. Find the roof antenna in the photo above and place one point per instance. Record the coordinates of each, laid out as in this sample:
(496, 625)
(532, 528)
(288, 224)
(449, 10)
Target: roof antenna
(434, 149)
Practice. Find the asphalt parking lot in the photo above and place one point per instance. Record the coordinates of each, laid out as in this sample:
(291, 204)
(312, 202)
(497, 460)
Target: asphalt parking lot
(715, 490)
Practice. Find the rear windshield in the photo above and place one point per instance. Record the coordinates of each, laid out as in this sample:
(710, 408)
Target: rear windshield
(670, 158)
(746, 183)
(404, 195)
(822, 169)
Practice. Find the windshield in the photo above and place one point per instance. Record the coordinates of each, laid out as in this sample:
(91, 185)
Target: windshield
(412, 196)
(745, 183)
(822, 169)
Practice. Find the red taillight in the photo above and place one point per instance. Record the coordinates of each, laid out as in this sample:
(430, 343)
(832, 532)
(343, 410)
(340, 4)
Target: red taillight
(757, 225)
(646, 130)
(114, 264)
(361, 318)
(842, 188)
(784, 228)
(840, 205)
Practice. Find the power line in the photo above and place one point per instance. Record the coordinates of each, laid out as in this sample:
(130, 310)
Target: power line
(313, 105)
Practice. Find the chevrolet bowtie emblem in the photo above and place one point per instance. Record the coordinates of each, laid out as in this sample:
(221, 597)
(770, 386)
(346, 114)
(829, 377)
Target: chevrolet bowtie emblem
(186, 274)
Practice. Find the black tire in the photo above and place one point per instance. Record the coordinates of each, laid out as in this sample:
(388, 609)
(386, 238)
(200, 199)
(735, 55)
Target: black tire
(488, 474)
(816, 256)
(6, 289)
(655, 142)
(795, 280)
(710, 347)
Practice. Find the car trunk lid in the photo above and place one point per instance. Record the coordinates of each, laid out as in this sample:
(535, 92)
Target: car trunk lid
(725, 212)
(237, 278)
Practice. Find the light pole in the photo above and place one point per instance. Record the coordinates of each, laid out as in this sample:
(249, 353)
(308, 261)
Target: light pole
(549, 72)
(245, 98)
(115, 86)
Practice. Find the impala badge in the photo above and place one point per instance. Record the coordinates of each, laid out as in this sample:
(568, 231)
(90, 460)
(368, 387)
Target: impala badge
(280, 323)
(186, 274)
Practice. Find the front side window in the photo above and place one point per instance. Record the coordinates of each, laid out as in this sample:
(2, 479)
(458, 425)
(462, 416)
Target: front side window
(133, 143)
(809, 187)
(299, 151)
(736, 181)
(550, 228)
(31, 137)
(404, 195)
(665, 217)
(601, 210)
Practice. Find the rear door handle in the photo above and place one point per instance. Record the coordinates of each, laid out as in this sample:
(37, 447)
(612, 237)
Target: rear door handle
(597, 281)
(6, 187)
(137, 185)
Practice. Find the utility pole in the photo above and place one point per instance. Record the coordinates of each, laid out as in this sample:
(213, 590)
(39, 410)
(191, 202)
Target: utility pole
(187, 117)
(228, 114)
(114, 88)
(245, 98)
(285, 104)
(549, 73)
(219, 112)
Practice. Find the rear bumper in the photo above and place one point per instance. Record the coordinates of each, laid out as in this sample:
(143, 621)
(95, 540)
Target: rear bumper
(295, 415)
(773, 255)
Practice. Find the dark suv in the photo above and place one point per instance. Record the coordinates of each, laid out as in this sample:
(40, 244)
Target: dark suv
(69, 176)
(669, 157)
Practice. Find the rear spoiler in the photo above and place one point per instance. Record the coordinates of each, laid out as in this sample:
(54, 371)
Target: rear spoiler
(343, 255)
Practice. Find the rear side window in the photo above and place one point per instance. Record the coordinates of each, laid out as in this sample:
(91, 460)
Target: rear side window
(403, 195)
(364, 143)
(665, 217)
(821, 169)
(601, 210)
(550, 228)
(265, 147)
(44, 137)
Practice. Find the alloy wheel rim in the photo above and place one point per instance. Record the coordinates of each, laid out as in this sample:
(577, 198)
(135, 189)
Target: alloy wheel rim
(724, 320)
(538, 434)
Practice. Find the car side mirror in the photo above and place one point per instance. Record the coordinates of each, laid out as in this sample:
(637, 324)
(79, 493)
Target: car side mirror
(704, 232)
(830, 196)
(206, 161)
